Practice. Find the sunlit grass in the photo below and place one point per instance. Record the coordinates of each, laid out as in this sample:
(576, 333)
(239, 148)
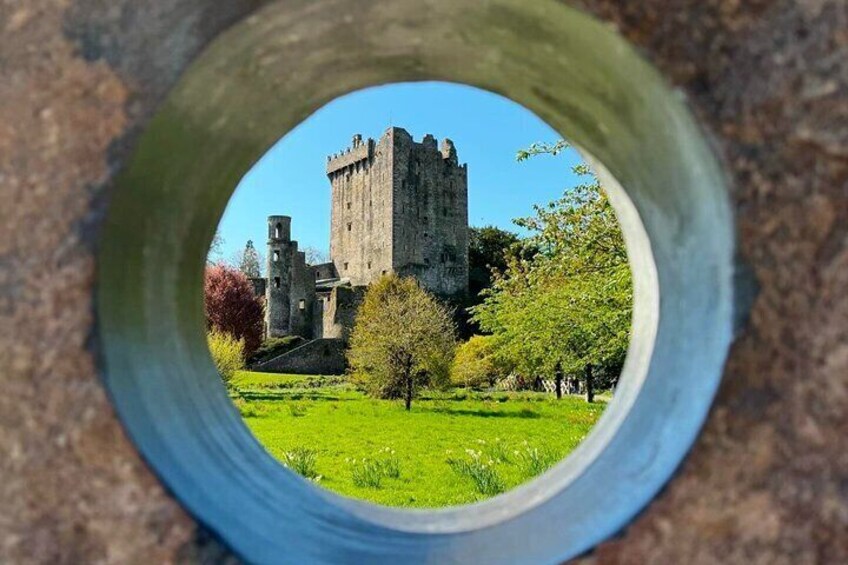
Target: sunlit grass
(376, 450)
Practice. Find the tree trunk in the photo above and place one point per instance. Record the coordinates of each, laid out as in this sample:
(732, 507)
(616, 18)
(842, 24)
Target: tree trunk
(408, 390)
(558, 381)
(590, 384)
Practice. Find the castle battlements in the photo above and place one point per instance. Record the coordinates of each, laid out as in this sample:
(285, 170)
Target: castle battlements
(357, 152)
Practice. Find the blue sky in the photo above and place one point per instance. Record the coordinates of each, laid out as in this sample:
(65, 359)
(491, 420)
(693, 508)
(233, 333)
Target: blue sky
(487, 130)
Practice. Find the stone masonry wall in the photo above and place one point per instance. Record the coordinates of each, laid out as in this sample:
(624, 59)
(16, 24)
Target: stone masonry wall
(361, 203)
(430, 214)
(302, 295)
(400, 206)
(280, 256)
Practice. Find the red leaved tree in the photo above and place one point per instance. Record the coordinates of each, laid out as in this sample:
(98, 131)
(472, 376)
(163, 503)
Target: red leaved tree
(232, 307)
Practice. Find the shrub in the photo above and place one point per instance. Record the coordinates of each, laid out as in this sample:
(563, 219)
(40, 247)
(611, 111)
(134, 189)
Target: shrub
(475, 364)
(482, 472)
(227, 353)
(302, 461)
(232, 307)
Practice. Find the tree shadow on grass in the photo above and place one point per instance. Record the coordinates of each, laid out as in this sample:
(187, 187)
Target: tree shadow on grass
(524, 413)
(283, 396)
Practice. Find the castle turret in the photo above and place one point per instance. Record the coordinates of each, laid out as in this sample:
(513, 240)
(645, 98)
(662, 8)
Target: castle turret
(278, 294)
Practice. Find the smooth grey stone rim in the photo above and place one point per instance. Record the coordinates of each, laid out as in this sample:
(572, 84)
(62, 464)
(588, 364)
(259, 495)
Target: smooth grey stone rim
(261, 79)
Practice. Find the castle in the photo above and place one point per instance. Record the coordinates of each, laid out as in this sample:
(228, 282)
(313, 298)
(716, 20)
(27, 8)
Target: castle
(398, 206)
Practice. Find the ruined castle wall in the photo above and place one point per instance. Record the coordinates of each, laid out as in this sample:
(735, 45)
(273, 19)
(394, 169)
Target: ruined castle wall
(324, 271)
(302, 295)
(340, 311)
(360, 225)
(430, 214)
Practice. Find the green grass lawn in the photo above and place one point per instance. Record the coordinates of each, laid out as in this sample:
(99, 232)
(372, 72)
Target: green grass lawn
(502, 439)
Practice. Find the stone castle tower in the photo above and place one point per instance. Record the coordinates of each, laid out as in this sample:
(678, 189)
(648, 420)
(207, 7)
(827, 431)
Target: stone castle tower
(400, 206)
(290, 288)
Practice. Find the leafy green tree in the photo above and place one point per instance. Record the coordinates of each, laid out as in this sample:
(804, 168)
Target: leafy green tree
(488, 248)
(249, 261)
(568, 303)
(403, 340)
(476, 364)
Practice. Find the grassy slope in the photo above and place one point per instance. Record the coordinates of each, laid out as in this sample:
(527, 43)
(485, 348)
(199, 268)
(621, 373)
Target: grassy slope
(288, 411)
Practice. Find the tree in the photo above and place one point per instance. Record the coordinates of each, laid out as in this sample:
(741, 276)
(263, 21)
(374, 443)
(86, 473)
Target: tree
(475, 363)
(249, 261)
(488, 248)
(214, 254)
(568, 303)
(315, 256)
(403, 340)
(232, 307)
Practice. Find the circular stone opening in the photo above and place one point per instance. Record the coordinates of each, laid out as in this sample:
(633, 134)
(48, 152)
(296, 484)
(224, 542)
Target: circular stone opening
(267, 74)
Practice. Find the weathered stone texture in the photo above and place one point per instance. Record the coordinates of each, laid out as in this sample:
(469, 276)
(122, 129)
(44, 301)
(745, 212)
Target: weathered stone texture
(324, 356)
(400, 206)
(766, 483)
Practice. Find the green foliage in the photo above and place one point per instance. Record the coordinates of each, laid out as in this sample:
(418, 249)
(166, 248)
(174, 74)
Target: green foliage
(475, 364)
(227, 353)
(488, 248)
(480, 470)
(403, 340)
(569, 302)
(302, 461)
(534, 460)
(366, 473)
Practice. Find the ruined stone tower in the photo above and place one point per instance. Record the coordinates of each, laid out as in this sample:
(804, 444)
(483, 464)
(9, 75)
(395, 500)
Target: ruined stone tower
(400, 206)
(290, 290)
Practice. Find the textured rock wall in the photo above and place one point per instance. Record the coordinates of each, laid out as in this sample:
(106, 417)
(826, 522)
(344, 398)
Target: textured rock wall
(318, 357)
(767, 481)
(282, 253)
(361, 204)
(430, 214)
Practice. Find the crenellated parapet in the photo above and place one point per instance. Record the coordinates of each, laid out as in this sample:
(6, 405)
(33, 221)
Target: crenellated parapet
(358, 152)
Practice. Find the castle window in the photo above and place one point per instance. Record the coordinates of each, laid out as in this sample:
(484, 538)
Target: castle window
(276, 282)
(444, 211)
(349, 226)
(301, 304)
(427, 262)
(278, 231)
(317, 275)
(276, 255)
(345, 266)
(348, 205)
(369, 264)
